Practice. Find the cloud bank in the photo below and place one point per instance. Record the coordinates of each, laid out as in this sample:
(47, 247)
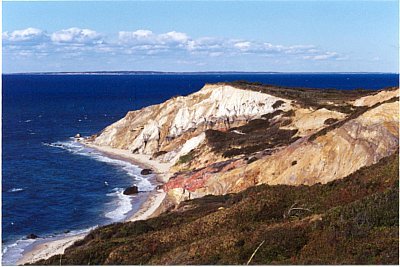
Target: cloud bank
(82, 49)
(76, 36)
(74, 42)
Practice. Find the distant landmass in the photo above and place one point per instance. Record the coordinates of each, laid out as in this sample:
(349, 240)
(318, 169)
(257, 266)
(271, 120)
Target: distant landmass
(178, 72)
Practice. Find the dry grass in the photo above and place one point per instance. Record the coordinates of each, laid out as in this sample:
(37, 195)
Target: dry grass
(348, 221)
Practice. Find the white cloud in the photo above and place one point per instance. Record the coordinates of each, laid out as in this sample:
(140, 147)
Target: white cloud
(323, 56)
(29, 34)
(147, 37)
(174, 37)
(77, 35)
(242, 45)
(142, 33)
(77, 42)
(206, 44)
(139, 36)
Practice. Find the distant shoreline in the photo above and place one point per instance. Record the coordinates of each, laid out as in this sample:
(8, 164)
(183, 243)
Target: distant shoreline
(123, 72)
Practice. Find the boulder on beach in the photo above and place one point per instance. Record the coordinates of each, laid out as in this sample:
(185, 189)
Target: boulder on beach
(159, 187)
(146, 171)
(31, 236)
(131, 190)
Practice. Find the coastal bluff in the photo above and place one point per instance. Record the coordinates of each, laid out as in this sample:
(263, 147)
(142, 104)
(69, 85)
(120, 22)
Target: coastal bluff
(249, 167)
(231, 136)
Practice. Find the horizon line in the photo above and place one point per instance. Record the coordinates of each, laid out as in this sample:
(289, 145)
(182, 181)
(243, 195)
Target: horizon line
(194, 72)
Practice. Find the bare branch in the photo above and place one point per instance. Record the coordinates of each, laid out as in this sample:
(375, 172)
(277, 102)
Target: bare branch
(255, 251)
(298, 209)
(292, 208)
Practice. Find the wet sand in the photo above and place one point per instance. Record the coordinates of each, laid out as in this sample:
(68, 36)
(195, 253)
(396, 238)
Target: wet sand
(161, 170)
(48, 249)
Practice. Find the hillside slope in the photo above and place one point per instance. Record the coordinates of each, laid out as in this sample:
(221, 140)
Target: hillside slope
(179, 124)
(321, 157)
(349, 221)
(230, 136)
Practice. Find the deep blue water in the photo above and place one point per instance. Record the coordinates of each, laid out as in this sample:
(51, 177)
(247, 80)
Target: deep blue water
(50, 184)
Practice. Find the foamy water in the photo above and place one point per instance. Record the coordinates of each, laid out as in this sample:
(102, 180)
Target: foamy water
(117, 208)
(13, 190)
(12, 253)
(132, 170)
(121, 204)
(49, 107)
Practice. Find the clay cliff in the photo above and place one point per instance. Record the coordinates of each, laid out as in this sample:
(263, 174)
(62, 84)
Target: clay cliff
(231, 136)
(353, 220)
(177, 126)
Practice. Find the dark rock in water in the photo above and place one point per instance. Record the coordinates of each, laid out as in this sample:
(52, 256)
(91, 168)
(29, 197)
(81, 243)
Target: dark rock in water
(131, 190)
(78, 135)
(146, 171)
(31, 236)
(66, 231)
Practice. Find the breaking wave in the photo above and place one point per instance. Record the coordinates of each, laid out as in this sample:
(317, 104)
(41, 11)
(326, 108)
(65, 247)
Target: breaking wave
(123, 203)
(132, 170)
(120, 204)
(12, 190)
(13, 252)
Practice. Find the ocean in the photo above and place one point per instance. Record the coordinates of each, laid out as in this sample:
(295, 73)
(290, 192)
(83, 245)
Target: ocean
(52, 186)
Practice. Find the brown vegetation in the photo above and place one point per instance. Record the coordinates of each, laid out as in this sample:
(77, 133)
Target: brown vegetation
(348, 221)
(256, 135)
(357, 113)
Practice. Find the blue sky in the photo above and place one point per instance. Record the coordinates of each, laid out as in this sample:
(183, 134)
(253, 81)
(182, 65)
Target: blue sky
(292, 36)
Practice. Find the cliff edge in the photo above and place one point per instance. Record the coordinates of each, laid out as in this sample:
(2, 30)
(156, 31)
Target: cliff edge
(231, 136)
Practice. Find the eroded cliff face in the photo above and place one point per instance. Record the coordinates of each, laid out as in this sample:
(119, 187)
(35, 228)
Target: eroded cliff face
(228, 137)
(177, 126)
(321, 154)
(340, 152)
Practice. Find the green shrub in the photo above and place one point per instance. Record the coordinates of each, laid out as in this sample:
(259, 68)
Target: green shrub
(186, 158)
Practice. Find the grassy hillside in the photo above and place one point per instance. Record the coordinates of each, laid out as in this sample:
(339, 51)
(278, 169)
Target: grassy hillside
(348, 221)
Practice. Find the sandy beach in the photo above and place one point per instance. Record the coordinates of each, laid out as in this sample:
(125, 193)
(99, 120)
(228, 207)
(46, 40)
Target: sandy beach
(143, 161)
(48, 249)
(161, 170)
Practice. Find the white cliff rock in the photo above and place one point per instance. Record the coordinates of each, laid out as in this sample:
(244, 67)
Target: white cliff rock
(345, 143)
(168, 126)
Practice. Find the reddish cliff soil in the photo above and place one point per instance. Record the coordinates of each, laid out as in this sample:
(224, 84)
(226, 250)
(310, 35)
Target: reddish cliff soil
(348, 221)
(196, 179)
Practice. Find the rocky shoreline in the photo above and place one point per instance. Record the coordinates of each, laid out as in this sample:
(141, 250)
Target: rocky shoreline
(262, 135)
(160, 170)
(45, 250)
